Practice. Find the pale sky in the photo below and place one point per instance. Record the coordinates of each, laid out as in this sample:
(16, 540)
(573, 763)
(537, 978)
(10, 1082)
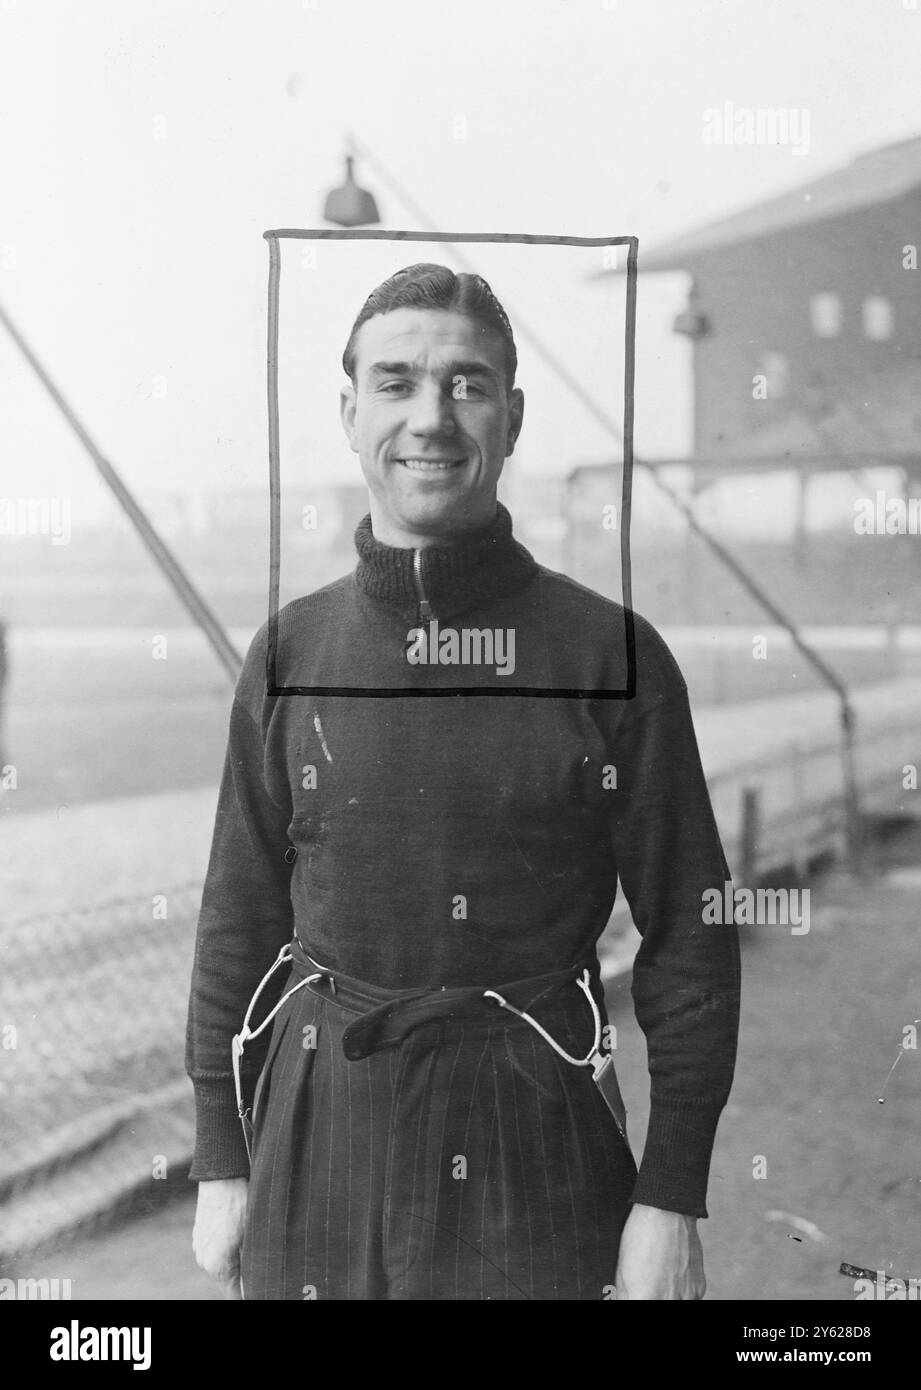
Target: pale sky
(147, 146)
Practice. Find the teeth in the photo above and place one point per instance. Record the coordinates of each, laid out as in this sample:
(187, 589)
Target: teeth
(429, 465)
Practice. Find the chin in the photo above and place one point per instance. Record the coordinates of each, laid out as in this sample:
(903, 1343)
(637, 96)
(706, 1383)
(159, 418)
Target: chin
(434, 521)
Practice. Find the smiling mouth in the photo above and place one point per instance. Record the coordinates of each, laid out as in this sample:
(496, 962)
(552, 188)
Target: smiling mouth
(421, 465)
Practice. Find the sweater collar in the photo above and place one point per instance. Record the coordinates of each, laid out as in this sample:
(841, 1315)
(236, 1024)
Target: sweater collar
(490, 565)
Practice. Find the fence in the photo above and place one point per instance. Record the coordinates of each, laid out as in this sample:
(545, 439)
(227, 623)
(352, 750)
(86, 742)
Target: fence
(92, 1089)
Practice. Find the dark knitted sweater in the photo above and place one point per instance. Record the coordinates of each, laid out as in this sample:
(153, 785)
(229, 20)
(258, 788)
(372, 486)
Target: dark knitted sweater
(524, 810)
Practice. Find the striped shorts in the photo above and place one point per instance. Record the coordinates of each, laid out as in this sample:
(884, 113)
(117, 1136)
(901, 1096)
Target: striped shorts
(462, 1161)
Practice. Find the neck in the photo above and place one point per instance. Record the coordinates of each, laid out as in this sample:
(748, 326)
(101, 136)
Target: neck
(461, 530)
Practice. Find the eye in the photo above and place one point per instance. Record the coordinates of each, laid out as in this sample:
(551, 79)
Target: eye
(393, 387)
(462, 388)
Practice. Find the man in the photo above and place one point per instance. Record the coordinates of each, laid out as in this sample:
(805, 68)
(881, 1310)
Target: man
(426, 1122)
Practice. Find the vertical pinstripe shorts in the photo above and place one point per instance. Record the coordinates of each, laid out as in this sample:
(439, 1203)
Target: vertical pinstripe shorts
(458, 1158)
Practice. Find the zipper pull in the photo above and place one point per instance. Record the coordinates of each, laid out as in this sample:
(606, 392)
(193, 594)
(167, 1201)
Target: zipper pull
(425, 608)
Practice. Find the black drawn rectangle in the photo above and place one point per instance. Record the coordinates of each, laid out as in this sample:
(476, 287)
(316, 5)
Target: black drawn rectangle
(273, 237)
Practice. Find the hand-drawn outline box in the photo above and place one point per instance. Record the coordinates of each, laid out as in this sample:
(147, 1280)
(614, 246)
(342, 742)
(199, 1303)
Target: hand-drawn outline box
(525, 239)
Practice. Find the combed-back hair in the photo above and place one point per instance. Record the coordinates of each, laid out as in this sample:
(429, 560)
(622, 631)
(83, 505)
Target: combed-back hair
(429, 286)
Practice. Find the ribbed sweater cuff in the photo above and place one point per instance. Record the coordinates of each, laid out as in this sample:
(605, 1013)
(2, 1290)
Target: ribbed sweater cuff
(220, 1150)
(676, 1160)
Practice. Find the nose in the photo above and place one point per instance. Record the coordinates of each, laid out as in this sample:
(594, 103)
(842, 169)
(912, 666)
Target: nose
(431, 411)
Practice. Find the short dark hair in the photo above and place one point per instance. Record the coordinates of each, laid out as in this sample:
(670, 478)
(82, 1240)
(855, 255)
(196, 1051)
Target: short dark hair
(429, 286)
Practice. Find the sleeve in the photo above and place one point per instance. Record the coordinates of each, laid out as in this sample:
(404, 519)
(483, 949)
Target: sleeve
(246, 916)
(686, 972)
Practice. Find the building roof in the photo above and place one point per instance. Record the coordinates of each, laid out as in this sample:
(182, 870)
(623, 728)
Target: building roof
(879, 176)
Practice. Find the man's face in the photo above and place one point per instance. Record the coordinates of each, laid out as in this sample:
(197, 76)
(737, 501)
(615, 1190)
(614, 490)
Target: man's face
(432, 422)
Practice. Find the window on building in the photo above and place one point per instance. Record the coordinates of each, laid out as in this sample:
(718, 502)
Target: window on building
(826, 315)
(877, 317)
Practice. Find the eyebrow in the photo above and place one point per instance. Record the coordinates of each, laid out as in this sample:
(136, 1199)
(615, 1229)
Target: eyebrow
(466, 368)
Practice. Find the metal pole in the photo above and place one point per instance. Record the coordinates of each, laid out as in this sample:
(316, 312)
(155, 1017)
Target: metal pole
(189, 596)
(751, 821)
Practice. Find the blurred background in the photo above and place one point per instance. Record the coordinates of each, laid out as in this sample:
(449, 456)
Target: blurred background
(768, 158)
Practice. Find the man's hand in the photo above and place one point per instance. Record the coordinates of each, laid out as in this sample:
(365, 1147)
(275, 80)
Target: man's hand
(218, 1232)
(660, 1256)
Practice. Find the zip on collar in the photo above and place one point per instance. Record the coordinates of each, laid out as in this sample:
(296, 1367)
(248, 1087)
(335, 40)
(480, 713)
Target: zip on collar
(449, 578)
(425, 608)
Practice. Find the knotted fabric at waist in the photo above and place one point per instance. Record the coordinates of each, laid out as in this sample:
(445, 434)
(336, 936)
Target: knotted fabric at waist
(387, 1016)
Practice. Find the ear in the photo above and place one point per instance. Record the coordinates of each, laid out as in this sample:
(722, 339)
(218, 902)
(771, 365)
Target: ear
(348, 406)
(515, 420)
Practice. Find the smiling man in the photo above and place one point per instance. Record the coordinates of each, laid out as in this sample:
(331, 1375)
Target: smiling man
(436, 1115)
(432, 413)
